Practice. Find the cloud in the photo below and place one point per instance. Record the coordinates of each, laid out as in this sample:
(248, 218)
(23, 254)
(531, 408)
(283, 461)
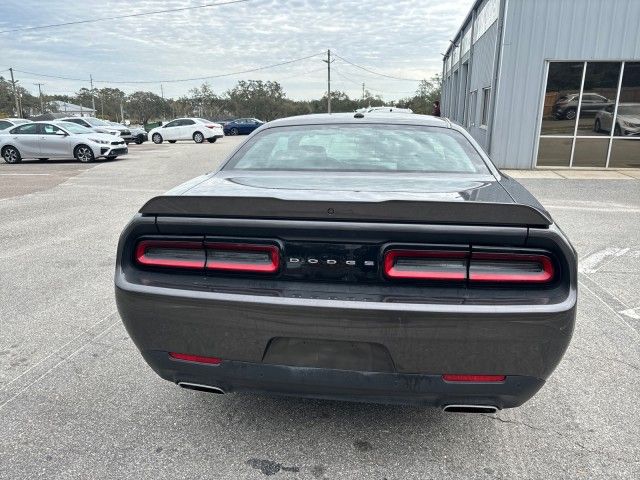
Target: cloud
(402, 38)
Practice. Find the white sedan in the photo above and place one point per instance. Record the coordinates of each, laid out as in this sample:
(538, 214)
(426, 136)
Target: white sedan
(196, 129)
(6, 123)
(45, 140)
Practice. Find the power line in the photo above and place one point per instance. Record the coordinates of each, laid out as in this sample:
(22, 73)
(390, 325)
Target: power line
(376, 73)
(208, 77)
(117, 17)
(345, 77)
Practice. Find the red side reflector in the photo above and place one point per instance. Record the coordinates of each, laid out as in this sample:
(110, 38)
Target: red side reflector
(449, 377)
(195, 358)
(160, 253)
(243, 257)
(425, 264)
(510, 267)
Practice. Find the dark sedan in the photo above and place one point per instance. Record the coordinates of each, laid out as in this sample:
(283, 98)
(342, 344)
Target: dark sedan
(242, 126)
(377, 258)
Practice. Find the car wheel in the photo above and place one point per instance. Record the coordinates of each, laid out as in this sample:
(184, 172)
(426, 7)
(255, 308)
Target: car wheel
(172, 141)
(212, 140)
(570, 114)
(139, 140)
(198, 137)
(233, 131)
(597, 127)
(43, 159)
(157, 138)
(83, 154)
(11, 155)
(617, 132)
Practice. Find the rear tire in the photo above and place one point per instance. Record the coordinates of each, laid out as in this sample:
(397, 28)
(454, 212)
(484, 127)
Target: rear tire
(597, 127)
(157, 138)
(139, 139)
(212, 140)
(172, 141)
(570, 114)
(233, 131)
(198, 137)
(11, 155)
(84, 154)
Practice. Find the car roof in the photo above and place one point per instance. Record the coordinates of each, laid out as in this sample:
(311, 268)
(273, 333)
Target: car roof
(395, 118)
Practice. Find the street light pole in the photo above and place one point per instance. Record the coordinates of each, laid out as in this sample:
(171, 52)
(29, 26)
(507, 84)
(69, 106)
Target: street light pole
(40, 93)
(15, 94)
(93, 100)
(328, 62)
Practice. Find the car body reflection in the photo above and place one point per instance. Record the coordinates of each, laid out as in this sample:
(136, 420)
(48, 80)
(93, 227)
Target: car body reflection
(627, 121)
(566, 107)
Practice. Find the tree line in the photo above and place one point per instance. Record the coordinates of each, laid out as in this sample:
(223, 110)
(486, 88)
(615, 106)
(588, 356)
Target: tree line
(265, 100)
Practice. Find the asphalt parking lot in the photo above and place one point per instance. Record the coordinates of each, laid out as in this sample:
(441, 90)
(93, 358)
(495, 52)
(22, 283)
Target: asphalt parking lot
(78, 401)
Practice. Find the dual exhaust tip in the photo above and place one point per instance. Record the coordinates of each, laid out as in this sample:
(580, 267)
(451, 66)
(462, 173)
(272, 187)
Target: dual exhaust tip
(447, 408)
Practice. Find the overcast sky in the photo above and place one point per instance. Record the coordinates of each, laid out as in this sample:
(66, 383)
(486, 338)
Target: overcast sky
(402, 38)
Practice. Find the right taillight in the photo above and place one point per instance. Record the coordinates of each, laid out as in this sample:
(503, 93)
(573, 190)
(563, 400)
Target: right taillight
(242, 257)
(425, 264)
(510, 268)
(474, 267)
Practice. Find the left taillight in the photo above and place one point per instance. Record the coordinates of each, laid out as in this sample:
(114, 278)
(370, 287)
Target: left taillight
(170, 254)
(242, 257)
(213, 256)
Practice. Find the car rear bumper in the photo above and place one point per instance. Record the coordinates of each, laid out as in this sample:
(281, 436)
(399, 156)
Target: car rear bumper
(407, 347)
(333, 384)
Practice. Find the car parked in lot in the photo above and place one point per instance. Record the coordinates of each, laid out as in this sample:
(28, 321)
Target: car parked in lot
(627, 121)
(378, 258)
(196, 129)
(566, 107)
(242, 126)
(57, 139)
(6, 123)
(138, 133)
(102, 126)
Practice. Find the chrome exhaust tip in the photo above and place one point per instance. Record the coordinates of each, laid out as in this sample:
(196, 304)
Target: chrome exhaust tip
(470, 409)
(201, 388)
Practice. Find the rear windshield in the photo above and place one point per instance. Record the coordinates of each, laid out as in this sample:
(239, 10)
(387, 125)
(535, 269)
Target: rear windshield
(367, 147)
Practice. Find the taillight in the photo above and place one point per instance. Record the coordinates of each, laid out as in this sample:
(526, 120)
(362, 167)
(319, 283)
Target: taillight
(425, 264)
(242, 257)
(474, 267)
(187, 357)
(171, 254)
(510, 268)
(214, 256)
(450, 377)
(210, 126)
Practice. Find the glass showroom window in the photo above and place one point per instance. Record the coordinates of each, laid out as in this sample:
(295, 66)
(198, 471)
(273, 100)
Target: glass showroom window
(591, 115)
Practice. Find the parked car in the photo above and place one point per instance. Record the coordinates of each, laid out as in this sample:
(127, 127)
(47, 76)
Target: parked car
(566, 107)
(138, 133)
(378, 258)
(196, 129)
(627, 122)
(242, 126)
(102, 126)
(45, 140)
(11, 122)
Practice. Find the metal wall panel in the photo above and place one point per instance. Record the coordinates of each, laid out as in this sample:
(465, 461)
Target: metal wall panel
(536, 31)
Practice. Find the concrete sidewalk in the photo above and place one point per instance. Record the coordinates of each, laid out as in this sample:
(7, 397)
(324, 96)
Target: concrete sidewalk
(577, 174)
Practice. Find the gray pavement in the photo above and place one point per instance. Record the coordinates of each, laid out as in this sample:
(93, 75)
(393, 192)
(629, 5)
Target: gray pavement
(78, 401)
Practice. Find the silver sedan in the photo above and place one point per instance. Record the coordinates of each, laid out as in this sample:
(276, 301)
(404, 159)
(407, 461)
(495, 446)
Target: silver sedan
(45, 140)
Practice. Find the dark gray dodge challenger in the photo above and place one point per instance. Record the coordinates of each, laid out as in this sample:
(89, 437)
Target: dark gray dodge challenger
(367, 257)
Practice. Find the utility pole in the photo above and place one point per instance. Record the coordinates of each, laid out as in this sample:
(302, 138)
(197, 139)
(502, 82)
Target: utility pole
(15, 94)
(40, 93)
(121, 112)
(328, 62)
(162, 91)
(93, 100)
(363, 92)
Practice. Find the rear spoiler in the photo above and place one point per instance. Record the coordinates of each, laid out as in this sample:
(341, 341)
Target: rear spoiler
(395, 211)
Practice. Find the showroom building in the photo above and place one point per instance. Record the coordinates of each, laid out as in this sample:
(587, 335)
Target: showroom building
(548, 83)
